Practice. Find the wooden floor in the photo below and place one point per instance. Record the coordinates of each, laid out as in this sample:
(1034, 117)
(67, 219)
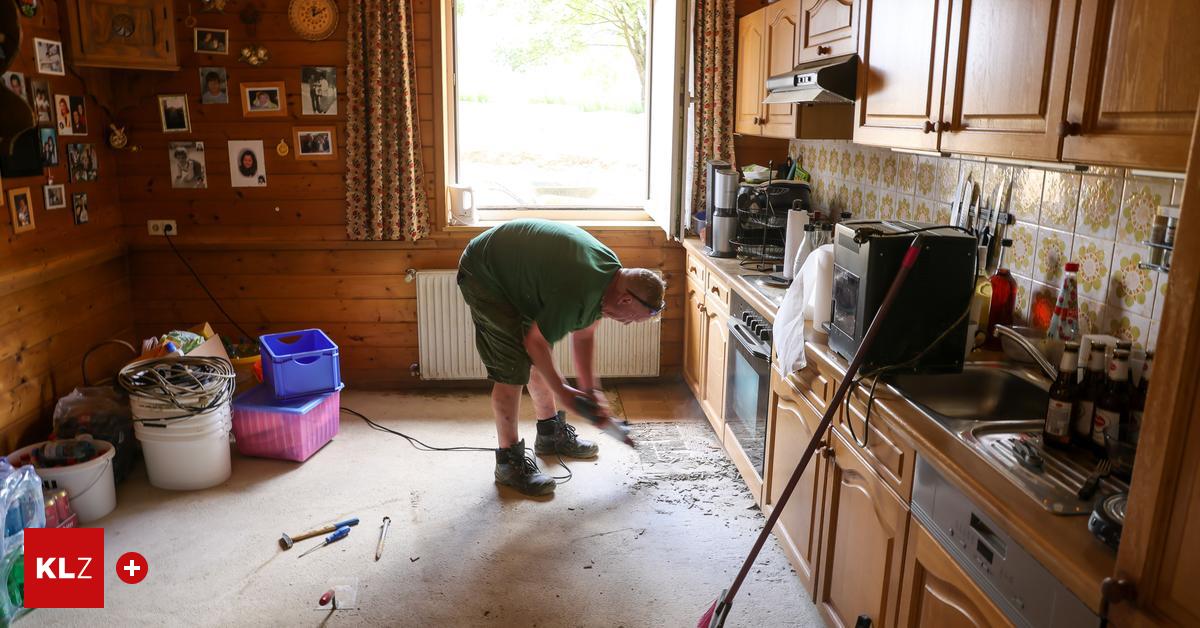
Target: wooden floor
(669, 400)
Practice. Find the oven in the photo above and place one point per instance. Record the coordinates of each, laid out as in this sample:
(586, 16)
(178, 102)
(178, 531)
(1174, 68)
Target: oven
(748, 380)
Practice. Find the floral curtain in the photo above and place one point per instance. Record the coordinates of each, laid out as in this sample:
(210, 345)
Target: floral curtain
(385, 189)
(715, 30)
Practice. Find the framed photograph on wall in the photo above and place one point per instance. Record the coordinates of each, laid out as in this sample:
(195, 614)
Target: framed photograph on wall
(79, 207)
(20, 205)
(187, 165)
(264, 100)
(173, 112)
(48, 140)
(213, 41)
(315, 142)
(318, 91)
(41, 101)
(49, 56)
(214, 86)
(82, 164)
(15, 83)
(55, 196)
(247, 165)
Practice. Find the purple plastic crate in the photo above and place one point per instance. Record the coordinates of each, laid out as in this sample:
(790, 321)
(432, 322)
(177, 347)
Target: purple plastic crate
(289, 430)
(300, 363)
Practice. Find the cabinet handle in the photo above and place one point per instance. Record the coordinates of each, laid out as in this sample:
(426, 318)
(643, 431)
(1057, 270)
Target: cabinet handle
(701, 307)
(715, 290)
(693, 270)
(827, 452)
(1115, 591)
(929, 127)
(1070, 128)
(756, 120)
(824, 50)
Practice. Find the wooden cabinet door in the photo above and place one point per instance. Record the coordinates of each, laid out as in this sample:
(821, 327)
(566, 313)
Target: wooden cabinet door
(716, 342)
(900, 80)
(694, 323)
(827, 29)
(751, 79)
(937, 592)
(792, 423)
(1006, 77)
(782, 36)
(862, 549)
(131, 34)
(1134, 83)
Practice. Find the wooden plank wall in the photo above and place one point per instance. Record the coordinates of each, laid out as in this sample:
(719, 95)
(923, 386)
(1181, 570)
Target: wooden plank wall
(278, 257)
(63, 287)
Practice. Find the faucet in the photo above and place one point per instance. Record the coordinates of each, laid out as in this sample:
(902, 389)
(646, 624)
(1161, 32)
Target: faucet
(1034, 352)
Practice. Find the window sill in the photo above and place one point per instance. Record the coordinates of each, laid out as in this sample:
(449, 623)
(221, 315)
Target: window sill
(591, 219)
(590, 225)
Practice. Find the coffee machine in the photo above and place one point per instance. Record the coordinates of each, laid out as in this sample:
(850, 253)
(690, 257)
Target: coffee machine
(723, 216)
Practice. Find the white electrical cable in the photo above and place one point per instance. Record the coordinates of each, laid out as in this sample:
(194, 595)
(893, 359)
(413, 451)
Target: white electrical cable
(191, 384)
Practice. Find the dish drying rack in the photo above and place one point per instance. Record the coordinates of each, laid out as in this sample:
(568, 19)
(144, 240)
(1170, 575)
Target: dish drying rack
(760, 238)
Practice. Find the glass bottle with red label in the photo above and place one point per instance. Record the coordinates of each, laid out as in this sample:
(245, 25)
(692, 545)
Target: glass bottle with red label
(1064, 396)
(1112, 408)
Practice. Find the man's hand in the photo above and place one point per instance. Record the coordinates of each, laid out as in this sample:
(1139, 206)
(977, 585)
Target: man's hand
(603, 410)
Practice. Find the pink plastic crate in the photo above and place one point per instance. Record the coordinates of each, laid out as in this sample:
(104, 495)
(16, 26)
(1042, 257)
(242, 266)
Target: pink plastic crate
(289, 430)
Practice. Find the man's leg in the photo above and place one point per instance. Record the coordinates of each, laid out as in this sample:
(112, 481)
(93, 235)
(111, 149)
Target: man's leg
(513, 467)
(506, 405)
(554, 435)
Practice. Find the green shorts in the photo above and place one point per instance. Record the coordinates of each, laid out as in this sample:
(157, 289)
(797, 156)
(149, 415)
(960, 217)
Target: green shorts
(499, 332)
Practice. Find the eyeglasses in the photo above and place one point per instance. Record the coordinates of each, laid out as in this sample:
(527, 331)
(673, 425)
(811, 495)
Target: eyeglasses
(654, 309)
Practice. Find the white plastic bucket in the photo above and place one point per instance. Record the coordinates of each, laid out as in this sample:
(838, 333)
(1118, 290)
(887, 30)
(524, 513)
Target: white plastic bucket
(198, 424)
(187, 461)
(89, 485)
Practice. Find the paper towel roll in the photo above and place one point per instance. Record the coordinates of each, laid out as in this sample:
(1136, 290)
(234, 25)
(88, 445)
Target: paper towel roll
(792, 238)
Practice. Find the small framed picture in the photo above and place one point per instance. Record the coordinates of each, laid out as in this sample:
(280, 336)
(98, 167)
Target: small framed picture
(15, 83)
(213, 41)
(264, 100)
(82, 164)
(48, 140)
(55, 195)
(214, 86)
(20, 203)
(79, 207)
(187, 165)
(173, 111)
(247, 168)
(72, 115)
(318, 91)
(41, 100)
(315, 142)
(49, 56)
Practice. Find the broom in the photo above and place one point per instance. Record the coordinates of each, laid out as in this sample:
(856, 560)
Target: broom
(715, 616)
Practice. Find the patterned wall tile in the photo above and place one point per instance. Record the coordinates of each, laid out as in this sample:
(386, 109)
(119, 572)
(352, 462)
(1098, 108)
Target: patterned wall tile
(873, 173)
(856, 199)
(904, 207)
(1099, 206)
(926, 168)
(1131, 288)
(1139, 203)
(1041, 304)
(1021, 310)
(845, 162)
(819, 191)
(906, 173)
(941, 212)
(1160, 299)
(1026, 196)
(870, 203)
(887, 205)
(841, 197)
(1020, 257)
(858, 169)
(994, 175)
(821, 160)
(1107, 171)
(974, 167)
(1095, 261)
(922, 210)
(1127, 326)
(1152, 339)
(1053, 248)
(945, 178)
(1091, 316)
(1060, 199)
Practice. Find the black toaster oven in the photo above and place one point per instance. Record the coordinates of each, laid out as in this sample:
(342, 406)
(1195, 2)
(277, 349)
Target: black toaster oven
(867, 254)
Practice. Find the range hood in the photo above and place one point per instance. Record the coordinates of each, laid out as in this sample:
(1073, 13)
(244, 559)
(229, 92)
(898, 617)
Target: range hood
(825, 81)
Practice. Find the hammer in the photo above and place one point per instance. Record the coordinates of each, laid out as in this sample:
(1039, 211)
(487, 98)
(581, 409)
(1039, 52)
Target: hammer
(286, 541)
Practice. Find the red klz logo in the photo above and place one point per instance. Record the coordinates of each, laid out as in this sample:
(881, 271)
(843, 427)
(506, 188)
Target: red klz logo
(64, 568)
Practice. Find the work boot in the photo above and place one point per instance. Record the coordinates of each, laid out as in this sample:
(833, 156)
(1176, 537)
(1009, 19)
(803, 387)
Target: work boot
(555, 436)
(516, 468)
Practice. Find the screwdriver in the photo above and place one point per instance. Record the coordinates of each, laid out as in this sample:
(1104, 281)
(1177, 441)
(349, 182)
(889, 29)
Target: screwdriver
(337, 535)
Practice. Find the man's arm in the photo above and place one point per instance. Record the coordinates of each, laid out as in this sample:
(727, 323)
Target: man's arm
(540, 355)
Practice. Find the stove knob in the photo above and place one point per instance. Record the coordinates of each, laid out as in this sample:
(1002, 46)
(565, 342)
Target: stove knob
(746, 316)
(764, 335)
(755, 326)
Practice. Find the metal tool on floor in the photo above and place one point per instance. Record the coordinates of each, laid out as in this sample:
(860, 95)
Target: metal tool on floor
(337, 535)
(613, 426)
(383, 530)
(286, 542)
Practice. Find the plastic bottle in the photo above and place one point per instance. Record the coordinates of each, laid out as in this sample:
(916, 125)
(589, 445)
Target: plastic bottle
(1064, 324)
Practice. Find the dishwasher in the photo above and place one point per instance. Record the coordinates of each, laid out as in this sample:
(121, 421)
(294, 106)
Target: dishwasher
(1014, 580)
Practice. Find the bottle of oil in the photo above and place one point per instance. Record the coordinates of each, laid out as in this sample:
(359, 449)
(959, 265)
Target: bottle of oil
(1112, 408)
(1064, 396)
(1089, 390)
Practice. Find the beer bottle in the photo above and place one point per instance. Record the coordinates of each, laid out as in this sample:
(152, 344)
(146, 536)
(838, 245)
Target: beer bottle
(1112, 408)
(1089, 390)
(1064, 396)
(1138, 405)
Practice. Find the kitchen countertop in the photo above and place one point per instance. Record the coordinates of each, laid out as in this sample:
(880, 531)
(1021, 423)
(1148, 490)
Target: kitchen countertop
(1062, 543)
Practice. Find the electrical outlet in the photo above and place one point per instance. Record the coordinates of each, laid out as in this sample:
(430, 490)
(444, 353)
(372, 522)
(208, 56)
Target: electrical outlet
(162, 227)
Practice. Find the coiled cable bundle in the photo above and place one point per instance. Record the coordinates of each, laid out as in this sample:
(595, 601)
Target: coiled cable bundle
(191, 384)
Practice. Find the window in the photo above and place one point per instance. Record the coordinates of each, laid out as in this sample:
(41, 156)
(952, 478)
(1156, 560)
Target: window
(551, 102)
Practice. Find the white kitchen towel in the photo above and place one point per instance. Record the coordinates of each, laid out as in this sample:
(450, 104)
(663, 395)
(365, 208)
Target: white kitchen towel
(806, 299)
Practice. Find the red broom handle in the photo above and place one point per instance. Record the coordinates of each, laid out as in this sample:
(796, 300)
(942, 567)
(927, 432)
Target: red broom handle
(910, 258)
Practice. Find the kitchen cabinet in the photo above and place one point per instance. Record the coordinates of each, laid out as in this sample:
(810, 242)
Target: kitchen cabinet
(1134, 84)
(937, 592)
(792, 424)
(782, 35)
(716, 344)
(900, 79)
(695, 323)
(827, 29)
(863, 534)
(126, 34)
(1007, 67)
(751, 74)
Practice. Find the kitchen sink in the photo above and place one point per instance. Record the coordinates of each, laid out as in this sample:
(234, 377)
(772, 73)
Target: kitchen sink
(981, 392)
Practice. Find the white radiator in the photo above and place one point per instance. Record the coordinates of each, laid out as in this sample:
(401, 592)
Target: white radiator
(446, 337)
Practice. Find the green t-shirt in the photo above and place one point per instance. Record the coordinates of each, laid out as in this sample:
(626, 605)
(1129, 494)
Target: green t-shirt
(552, 273)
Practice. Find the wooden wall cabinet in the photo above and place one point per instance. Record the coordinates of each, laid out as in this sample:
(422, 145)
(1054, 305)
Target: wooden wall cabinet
(782, 35)
(751, 73)
(127, 34)
(1135, 83)
(862, 542)
(695, 323)
(937, 592)
(827, 29)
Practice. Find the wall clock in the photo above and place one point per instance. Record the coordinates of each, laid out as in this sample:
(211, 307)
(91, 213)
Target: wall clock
(313, 19)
